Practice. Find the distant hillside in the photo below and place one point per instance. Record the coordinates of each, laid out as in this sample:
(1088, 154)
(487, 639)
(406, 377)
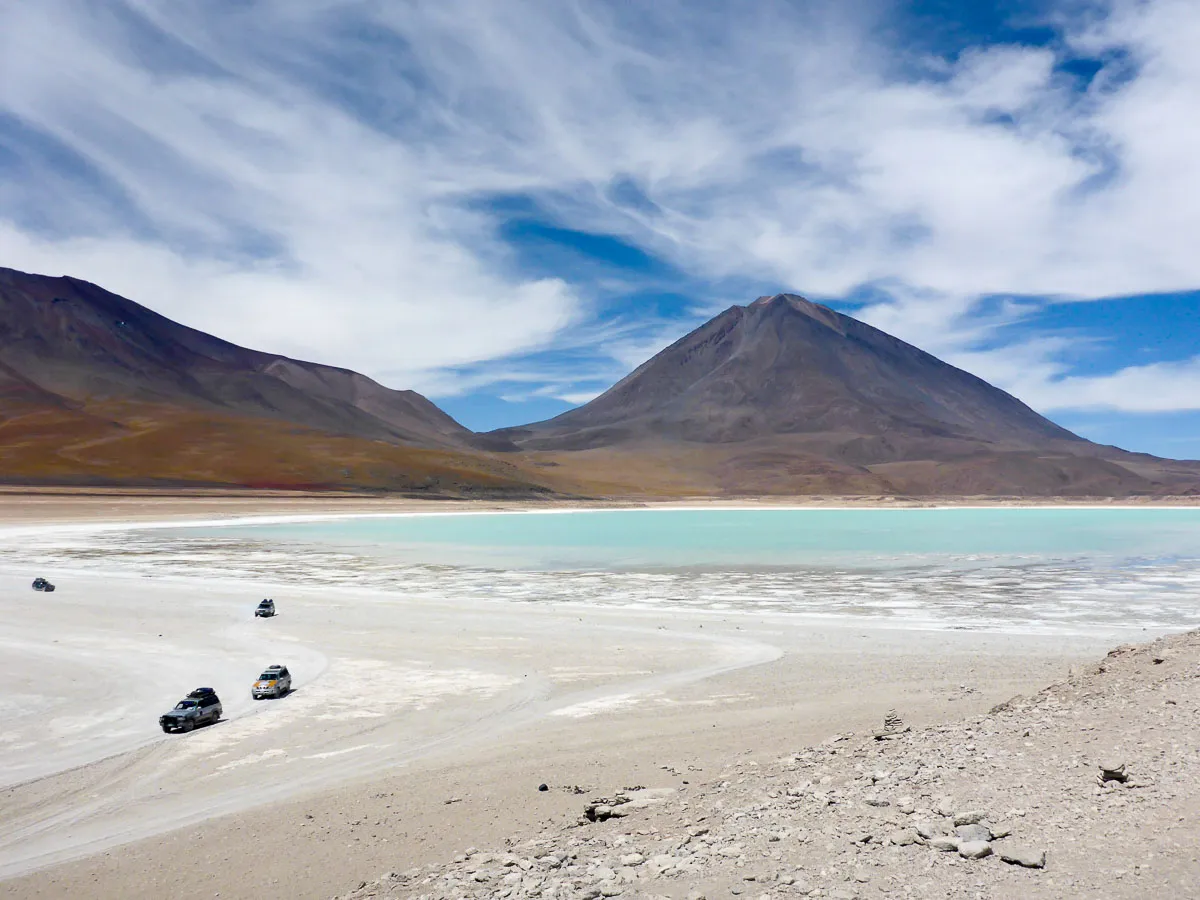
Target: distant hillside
(95, 388)
(788, 396)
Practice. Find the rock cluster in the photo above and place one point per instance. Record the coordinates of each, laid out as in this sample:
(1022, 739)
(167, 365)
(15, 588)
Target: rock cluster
(623, 803)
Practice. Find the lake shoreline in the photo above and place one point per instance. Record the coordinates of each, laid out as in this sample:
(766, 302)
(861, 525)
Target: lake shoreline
(29, 506)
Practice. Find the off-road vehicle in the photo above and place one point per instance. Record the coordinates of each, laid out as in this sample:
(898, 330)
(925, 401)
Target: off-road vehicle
(41, 584)
(266, 609)
(200, 707)
(275, 681)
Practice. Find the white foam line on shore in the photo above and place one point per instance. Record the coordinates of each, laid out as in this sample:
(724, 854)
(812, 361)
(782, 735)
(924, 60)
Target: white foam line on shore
(297, 518)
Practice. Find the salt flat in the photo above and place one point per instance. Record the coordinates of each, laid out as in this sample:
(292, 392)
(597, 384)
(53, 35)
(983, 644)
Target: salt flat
(378, 682)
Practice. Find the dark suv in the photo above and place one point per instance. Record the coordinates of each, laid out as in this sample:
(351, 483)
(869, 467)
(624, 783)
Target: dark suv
(41, 584)
(200, 707)
(266, 609)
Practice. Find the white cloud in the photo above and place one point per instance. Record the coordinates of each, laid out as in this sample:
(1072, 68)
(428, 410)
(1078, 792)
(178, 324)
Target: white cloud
(580, 398)
(782, 144)
(1158, 387)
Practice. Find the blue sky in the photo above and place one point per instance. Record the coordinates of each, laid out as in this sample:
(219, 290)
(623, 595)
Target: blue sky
(509, 206)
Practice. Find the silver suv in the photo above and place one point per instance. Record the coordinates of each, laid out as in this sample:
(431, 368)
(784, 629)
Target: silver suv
(200, 707)
(275, 681)
(265, 610)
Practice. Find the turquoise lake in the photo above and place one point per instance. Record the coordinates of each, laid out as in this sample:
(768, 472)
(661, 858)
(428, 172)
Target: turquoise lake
(674, 538)
(1053, 570)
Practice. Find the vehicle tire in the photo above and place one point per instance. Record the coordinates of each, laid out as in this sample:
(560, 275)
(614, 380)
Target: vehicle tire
(189, 725)
(166, 730)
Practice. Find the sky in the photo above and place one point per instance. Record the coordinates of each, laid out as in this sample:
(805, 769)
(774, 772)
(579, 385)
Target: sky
(508, 206)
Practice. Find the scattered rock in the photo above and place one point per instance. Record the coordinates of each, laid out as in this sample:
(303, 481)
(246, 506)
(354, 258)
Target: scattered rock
(1024, 856)
(943, 843)
(971, 833)
(974, 849)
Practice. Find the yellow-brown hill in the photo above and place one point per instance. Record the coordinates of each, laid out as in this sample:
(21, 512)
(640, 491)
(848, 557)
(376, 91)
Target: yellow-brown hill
(129, 443)
(96, 389)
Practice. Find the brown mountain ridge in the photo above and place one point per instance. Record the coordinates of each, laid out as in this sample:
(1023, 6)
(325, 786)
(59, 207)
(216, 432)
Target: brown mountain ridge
(95, 388)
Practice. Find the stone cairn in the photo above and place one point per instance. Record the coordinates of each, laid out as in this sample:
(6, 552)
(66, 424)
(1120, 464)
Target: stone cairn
(1112, 770)
(893, 726)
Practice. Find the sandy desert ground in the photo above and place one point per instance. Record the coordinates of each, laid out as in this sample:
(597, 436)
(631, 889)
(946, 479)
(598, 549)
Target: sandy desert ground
(416, 728)
(1086, 789)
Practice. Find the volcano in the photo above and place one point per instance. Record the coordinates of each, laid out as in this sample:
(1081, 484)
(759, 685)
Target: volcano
(789, 396)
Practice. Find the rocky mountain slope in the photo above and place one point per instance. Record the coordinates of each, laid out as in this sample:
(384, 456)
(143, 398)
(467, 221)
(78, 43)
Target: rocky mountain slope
(787, 396)
(95, 388)
(1087, 789)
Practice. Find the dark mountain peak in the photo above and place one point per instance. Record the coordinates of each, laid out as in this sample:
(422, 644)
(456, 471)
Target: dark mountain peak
(782, 301)
(790, 305)
(785, 366)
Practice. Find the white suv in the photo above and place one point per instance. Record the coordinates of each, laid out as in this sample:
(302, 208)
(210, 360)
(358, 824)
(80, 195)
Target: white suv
(275, 681)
